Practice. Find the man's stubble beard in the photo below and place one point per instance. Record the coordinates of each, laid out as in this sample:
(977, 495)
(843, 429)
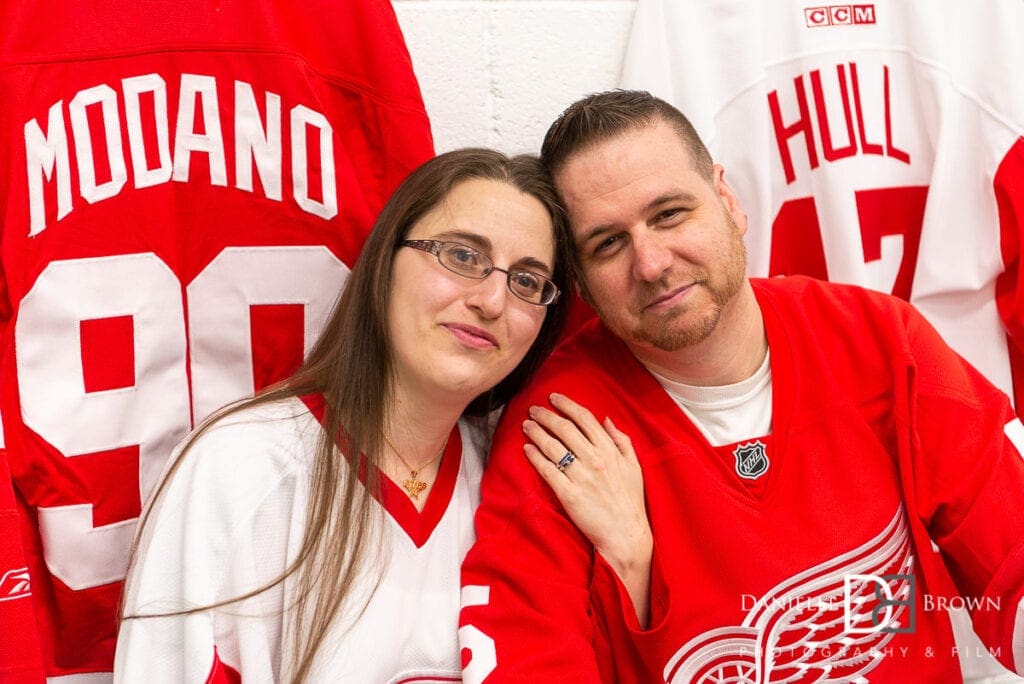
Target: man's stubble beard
(661, 332)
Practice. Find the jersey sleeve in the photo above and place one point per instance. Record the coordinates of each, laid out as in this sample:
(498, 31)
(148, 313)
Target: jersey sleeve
(1008, 186)
(20, 657)
(221, 528)
(526, 580)
(538, 603)
(965, 447)
(624, 646)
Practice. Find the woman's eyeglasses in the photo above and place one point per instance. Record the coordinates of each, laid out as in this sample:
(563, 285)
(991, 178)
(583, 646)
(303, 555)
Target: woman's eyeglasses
(466, 261)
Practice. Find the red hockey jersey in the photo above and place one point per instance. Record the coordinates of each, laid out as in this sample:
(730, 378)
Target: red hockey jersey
(183, 190)
(883, 441)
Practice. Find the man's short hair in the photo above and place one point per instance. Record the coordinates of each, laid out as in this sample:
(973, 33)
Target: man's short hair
(601, 116)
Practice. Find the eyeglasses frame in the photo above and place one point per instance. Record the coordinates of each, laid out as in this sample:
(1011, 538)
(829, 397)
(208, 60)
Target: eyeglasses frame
(435, 246)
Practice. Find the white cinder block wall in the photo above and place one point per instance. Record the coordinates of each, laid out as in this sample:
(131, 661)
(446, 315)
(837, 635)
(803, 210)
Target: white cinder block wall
(495, 73)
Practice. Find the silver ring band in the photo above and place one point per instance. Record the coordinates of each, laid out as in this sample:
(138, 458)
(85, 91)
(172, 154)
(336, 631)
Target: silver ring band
(565, 461)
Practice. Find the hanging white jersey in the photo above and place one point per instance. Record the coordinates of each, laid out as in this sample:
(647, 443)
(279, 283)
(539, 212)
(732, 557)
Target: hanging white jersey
(876, 144)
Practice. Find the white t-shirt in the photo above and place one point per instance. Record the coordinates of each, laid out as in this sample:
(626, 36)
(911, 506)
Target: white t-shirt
(727, 413)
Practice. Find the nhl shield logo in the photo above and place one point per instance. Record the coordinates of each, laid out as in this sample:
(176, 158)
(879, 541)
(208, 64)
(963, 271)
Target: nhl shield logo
(751, 460)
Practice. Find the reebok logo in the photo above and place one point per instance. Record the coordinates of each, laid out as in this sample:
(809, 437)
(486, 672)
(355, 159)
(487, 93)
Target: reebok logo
(15, 584)
(839, 15)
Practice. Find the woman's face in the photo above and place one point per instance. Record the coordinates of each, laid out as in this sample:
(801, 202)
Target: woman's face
(455, 337)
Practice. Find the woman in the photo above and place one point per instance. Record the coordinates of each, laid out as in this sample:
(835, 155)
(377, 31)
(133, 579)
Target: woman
(272, 552)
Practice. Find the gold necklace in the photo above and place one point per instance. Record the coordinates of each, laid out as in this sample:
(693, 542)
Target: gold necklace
(414, 485)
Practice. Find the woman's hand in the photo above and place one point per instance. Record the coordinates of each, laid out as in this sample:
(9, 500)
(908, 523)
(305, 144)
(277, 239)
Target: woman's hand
(594, 472)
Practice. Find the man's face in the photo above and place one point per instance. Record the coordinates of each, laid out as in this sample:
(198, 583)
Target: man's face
(660, 247)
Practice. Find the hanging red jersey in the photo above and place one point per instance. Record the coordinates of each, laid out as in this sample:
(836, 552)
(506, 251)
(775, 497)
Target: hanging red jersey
(185, 187)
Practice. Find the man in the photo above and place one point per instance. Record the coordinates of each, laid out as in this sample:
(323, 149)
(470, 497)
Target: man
(802, 444)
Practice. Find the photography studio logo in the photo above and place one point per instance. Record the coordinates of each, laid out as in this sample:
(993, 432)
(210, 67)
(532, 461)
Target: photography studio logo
(878, 603)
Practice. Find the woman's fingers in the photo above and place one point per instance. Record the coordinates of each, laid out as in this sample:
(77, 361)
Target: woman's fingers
(584, 420)
(547, 470)
(559, 433)
(622, 441)
(573, 424)
(575, 431)
(549, 447)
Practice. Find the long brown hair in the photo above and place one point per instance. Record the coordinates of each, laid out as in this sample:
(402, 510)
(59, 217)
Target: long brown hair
(351, 365)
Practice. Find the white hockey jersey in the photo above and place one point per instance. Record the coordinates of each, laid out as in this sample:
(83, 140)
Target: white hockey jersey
(878, 144)
(232, 518)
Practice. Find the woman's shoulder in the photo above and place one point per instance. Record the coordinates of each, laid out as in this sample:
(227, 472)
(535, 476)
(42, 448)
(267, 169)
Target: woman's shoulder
(476, 434)
(263, 438)
(235, 495)
(269, 418)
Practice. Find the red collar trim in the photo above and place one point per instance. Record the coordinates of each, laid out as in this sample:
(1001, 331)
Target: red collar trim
(418, 525)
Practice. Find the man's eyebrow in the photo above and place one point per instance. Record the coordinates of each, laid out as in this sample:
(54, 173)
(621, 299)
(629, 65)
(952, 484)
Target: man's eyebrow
(658, 201)
(595, 232)
(681, 196)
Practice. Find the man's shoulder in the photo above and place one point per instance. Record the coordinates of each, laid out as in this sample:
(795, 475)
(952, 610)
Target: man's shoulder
(586, 355)
(813, 297)
(592, 367)
(805, 286)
